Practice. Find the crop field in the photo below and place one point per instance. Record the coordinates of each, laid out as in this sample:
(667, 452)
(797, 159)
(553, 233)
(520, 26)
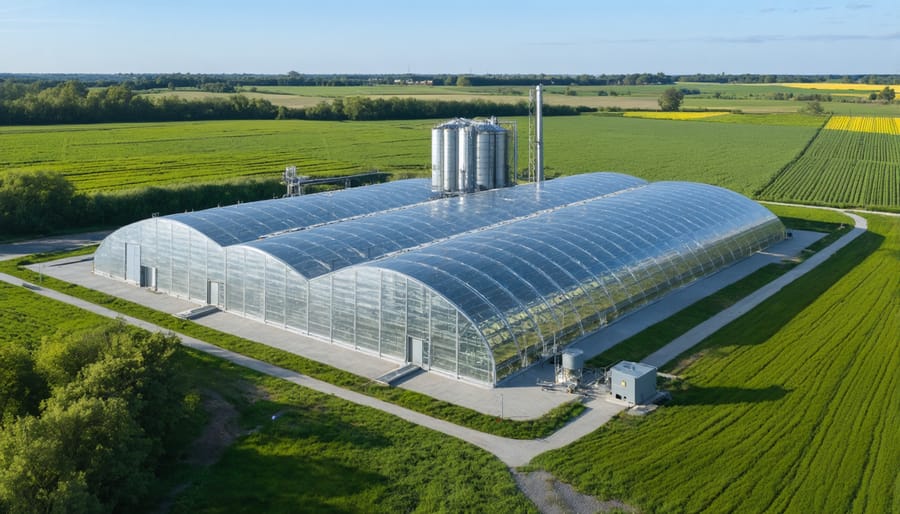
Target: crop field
(835, 86)
(791, 408)
(751, 98)
(890, 126)
(674, 115)
(292, 101)
(741, 156)
(738, 156)
(122, 156)
(853, 162)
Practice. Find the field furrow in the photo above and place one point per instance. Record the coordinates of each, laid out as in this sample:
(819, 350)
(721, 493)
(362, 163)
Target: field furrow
(853, 162)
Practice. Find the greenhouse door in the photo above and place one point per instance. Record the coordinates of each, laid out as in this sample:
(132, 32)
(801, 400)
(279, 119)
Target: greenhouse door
(216, 294)
(148, 277)
(414, 352)
(133, 263)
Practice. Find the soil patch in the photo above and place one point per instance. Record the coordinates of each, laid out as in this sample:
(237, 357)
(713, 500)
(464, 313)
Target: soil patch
(554, 497)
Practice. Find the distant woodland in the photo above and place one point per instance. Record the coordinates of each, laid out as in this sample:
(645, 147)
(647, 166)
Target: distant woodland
(74, 102)
(56, 98)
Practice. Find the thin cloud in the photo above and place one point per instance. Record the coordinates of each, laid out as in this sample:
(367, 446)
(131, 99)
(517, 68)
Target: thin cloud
(798, 10)
(749, 39)
(859, 6)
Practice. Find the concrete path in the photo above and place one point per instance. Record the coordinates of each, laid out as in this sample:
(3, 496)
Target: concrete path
(713, 324)
(50, 244)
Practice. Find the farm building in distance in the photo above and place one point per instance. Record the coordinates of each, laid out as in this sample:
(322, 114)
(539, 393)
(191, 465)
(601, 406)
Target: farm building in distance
(476, 287)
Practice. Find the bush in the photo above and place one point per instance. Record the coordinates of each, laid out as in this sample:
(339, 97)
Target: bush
(34, 201)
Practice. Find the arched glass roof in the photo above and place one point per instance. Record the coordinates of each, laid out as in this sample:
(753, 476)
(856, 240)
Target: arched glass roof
(551, 278)
(248, 221)
(330, 247)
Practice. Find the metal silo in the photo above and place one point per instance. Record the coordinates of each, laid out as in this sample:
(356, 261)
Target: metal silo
(437, 158)
(466, 177)
(485, 142)
(500, 159)
(450, 163)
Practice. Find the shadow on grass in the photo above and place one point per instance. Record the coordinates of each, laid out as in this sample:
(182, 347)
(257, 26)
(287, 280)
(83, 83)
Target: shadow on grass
(765, 320)
(276, 478)
(296, 459)
(729, 395)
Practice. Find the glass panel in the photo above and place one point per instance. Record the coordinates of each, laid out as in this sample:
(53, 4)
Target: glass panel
(181, 246)
(164, 256)
(295, 302)
(234, 287)
(393, 315)
(443, 335)
(417, 311)
(198, 278)
(275, 291)
(320, 307)
(474, 360)
(368, 309)
(343, 308)
(254, 284)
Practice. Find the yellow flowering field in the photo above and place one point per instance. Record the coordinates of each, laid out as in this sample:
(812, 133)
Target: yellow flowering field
(876, 125)
(672, 115)
(834, 86)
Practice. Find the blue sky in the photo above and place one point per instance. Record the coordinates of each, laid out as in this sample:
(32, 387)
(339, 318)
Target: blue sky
(440, 36)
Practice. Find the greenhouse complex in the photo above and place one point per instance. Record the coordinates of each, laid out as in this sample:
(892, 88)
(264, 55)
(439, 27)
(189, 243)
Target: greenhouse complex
(476, 286)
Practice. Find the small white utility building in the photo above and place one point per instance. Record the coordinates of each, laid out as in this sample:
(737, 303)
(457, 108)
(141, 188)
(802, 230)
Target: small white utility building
(633, 382)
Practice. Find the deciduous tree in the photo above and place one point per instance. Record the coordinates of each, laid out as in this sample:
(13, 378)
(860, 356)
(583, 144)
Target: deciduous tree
(671, 99)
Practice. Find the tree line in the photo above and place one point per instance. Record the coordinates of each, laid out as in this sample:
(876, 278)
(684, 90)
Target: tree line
(74, 102)
(147, 81)
(40, 202)
(88, 418)
(363, 108)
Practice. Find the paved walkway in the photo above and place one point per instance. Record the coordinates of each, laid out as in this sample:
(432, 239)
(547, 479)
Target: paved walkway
(50, 244)
(513, 452)
(713, 324)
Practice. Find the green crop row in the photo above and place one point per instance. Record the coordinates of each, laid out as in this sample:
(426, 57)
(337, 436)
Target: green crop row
(843, 168)
(791, 408)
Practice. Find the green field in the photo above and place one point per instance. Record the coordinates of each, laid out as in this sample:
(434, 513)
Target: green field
(791, 408)
(739, 155)
(121, 156)
(843, 168)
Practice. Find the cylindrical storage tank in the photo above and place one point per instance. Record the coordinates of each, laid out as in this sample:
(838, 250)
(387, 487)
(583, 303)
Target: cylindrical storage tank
(466, 159)
(437, 157)
(572, 359)
(484, 168)
(500, 157)
(450, 162)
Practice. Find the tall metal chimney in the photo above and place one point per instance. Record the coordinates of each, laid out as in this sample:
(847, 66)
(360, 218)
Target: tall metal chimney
(538, 136)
